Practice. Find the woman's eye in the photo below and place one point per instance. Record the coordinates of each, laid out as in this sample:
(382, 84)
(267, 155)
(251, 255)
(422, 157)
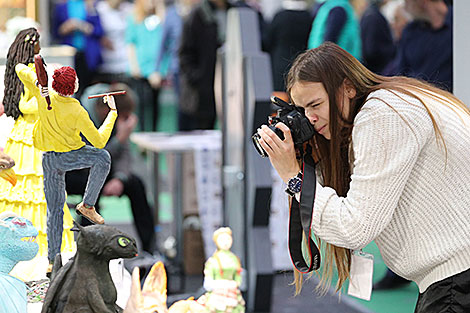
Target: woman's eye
(123, 242)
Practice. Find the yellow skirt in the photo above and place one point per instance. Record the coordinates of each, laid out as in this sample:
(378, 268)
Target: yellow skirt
(27, 199)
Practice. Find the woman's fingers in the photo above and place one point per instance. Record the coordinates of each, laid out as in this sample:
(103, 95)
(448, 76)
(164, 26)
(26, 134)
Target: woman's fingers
(270, 137)
(265, 146)
(286, 131)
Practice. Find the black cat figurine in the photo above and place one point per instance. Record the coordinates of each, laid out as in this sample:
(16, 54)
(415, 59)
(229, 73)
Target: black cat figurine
(84, 284)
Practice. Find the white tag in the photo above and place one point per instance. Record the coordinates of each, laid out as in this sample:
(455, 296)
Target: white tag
(360, 276)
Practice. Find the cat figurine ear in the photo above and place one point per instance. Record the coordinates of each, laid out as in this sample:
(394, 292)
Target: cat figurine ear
(76, 227)
(154, 290)
(156, 280)
(152, 297)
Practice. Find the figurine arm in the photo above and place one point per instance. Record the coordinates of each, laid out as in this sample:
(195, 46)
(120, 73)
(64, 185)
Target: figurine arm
(29, 106)
(97, 137)
(28, 78)
(209, 275)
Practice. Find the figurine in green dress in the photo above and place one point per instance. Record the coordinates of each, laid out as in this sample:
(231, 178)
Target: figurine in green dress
(222, 277)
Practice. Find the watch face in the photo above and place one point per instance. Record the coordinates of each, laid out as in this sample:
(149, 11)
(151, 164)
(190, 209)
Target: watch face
(295, 184)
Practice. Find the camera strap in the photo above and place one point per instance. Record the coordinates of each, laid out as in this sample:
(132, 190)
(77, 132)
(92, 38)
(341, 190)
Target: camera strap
(300, 220)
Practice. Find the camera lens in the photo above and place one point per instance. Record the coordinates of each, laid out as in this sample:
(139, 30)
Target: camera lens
(255, 138)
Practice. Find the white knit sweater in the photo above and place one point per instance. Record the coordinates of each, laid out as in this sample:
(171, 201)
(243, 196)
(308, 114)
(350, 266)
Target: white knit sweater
(405, 193)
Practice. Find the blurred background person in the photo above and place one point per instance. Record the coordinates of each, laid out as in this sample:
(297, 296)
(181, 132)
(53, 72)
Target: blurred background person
(394, 11)
(378, 44)
(336, 21)
(143, 38)
(285, 40)
(425, 49)
(77, 24)
(203, 33)
(167, 64)
(113, 15)
(121, 179)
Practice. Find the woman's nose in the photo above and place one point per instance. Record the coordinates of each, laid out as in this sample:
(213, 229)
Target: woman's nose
(313, 118)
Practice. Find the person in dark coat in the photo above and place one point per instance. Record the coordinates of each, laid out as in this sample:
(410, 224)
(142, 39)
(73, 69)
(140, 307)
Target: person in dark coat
(203, 33)
(378, 46)
(285, 40)
(425, 50)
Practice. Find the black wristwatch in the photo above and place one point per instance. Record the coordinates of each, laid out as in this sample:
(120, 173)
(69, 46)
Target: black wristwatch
(294, 185)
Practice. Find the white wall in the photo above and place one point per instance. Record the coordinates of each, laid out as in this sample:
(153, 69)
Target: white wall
(462, 50)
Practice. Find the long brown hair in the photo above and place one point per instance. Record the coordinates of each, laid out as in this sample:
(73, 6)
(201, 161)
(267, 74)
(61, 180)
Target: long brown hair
(20, 51)
(331, 65)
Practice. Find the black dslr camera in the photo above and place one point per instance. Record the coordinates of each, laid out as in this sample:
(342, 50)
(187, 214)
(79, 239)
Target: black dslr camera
(294, 118)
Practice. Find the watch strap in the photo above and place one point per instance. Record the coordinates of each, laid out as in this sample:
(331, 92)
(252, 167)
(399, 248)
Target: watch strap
(294, 184)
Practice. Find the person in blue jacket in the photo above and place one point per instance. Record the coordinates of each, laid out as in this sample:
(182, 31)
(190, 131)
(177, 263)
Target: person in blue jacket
(77, 24)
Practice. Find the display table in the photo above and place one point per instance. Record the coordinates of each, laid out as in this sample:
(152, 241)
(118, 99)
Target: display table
(206, 147)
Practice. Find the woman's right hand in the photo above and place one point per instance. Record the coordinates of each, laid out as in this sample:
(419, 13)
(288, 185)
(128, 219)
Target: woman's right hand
(281, 152)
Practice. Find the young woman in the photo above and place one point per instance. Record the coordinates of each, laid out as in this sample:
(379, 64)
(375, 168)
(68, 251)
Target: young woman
(27, 197)
(391, 164)
(143, 39)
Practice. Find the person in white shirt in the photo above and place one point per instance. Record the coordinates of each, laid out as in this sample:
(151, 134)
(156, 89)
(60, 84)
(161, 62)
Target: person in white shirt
(113, 15)
(392, 168)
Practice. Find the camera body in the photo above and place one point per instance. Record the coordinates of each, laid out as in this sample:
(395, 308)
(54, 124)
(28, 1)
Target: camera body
(300, 127)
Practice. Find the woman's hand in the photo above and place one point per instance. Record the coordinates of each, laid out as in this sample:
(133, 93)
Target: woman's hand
(281, 152)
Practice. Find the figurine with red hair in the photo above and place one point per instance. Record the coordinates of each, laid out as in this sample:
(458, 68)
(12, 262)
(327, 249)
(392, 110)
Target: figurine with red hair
(57, 133)
(27, 198)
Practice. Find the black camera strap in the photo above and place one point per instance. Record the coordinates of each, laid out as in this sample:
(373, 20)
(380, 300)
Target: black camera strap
(300, 220)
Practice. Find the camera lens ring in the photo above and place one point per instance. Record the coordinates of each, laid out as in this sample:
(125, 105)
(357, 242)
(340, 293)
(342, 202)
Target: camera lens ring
(255, 138)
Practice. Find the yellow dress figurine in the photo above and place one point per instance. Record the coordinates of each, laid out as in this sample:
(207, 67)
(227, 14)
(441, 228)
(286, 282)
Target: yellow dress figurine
(222, 277)
(27, 197)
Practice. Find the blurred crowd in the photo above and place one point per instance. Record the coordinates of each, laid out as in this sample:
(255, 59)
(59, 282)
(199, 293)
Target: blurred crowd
(153, 44)
(150, 44)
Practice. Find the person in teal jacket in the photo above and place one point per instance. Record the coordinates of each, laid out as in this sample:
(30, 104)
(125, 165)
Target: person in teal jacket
(335, 21)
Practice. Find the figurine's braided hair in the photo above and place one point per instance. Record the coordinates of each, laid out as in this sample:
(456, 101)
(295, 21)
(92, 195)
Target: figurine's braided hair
(21, 51)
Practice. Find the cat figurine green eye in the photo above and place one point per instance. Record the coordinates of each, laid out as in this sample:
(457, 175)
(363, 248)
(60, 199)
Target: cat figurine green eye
(84, 284)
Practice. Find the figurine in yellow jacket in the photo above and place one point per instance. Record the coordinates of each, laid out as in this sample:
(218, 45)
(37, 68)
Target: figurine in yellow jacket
(57, 133)
(27, 198)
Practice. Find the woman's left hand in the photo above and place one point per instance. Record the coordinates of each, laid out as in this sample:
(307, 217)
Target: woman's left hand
(281, 152)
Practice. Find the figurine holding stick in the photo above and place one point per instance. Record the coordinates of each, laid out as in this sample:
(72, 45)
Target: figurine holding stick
(57, 133)
(27, 198)
(112, 93)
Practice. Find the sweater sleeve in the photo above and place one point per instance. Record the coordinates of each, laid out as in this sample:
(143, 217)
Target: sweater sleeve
(97, 137)
(386, 146)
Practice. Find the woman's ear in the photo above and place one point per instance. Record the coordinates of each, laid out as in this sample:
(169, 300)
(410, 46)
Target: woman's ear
(349, 89)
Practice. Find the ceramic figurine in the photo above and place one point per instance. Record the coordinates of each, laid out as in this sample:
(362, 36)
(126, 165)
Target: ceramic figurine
(222, 277)
(152, 297)
(6, 170)
(84, 284)
(17, 243)
(57, 133)
(27, 197)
